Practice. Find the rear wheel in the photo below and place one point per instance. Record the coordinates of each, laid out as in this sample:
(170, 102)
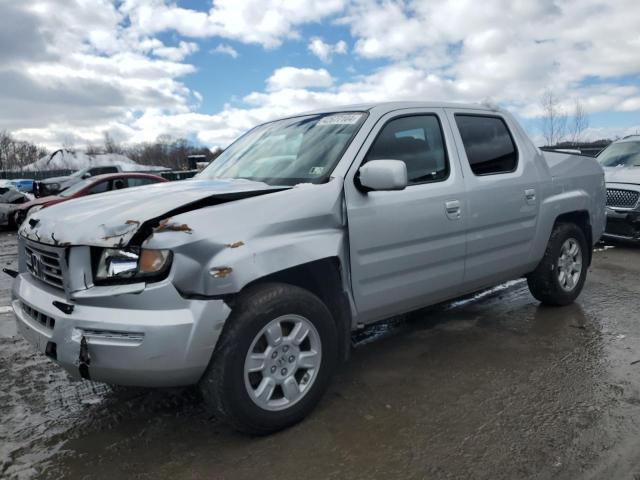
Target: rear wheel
(560, 276)
(273, 361)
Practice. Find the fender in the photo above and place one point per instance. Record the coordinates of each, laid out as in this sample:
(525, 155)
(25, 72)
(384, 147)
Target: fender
(550, 209)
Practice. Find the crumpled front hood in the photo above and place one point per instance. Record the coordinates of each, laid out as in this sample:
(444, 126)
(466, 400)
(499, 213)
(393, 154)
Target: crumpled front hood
(622, 175)
(113, 219)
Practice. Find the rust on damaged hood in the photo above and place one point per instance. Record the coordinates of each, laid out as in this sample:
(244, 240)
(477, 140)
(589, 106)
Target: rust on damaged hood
(118, 218)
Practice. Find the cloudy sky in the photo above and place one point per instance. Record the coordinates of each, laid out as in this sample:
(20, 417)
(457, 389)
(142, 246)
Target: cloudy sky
(208, 70)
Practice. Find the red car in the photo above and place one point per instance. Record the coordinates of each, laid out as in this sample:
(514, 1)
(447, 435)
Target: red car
(89, 186)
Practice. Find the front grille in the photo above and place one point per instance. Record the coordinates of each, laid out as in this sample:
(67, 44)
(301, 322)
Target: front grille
(618, 198)
(44, 320)
(45, 264)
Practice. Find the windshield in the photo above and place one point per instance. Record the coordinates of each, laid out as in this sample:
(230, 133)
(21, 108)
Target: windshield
(624, 154)
(76, 187)
(287, 152)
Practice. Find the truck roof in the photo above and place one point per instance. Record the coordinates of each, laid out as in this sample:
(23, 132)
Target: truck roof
(384, 107)
(629, 138)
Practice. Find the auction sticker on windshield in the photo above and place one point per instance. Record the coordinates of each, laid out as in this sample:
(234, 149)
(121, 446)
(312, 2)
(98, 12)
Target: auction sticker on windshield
(342, 119)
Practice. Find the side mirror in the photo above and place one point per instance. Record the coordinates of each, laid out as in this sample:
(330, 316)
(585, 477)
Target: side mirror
(384, 175)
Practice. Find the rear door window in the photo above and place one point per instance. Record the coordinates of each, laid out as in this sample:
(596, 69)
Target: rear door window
(119, 183)
(100, 187)
(488, 144)
(139, 181)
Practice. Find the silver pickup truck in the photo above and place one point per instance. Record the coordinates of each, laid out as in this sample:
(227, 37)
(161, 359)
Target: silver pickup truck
(250, 279)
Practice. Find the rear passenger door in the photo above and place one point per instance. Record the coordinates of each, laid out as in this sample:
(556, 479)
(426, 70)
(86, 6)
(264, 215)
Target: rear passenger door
(502, 193)
(407, 247)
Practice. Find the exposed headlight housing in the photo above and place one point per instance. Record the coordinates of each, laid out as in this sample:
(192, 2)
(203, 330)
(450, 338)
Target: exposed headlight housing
(119, 265)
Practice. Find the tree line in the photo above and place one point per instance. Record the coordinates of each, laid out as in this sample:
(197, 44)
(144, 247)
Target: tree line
(166, 151)
(15, 154)
(560, 126)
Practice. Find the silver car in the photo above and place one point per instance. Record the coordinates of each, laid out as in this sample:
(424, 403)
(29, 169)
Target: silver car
(250, 279)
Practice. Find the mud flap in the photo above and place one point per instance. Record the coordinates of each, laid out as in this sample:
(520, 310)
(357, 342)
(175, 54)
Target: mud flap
(84, 359)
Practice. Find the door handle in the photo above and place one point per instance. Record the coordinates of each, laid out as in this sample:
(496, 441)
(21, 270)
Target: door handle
(452, 208)
(530, 195)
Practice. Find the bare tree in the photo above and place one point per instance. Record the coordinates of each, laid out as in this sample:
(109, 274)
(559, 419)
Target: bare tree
(165, 151)
(554, 118)
(579, 122)
(5, 149)
(92, 149)
(110, 145)
(14, 154)
(68, 144)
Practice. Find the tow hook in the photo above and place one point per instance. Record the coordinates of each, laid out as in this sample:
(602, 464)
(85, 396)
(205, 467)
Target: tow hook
(11, 273)
(63, 307)
(84, 359)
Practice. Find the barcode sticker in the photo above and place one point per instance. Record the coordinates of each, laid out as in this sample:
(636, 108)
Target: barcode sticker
(341, 119)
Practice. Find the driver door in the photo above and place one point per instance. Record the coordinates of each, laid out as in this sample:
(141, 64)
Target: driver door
(408, 247)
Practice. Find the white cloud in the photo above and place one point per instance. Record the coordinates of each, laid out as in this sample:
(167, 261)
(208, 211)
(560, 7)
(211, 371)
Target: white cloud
(176, 54)
(92, 75)
(292, 77)
(108, 70)
(225, 50)
(324, 51)
(510, 51)
(266, 22)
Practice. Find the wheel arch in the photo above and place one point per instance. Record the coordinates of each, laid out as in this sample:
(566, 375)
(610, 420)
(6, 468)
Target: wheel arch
(582, 220)
(324, 278)
(573, 206)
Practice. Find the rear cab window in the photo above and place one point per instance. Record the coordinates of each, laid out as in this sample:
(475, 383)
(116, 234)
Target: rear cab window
(488, 144)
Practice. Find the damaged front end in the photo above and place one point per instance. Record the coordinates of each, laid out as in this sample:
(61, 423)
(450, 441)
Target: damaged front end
(133, 217)
(623, 206)
(93, 297)
(147, 272)
(623, 225)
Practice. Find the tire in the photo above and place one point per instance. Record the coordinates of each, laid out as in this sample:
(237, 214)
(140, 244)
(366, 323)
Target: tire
(234, 395)
(546, 282)
(20, 217)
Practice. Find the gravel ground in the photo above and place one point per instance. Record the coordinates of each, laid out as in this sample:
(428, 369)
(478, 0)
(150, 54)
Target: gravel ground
(493, 386)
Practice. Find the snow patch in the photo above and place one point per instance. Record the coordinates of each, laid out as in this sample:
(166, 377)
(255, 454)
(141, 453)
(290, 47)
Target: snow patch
(66, 160)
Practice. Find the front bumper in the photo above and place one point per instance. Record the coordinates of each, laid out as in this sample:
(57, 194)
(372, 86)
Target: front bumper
(622, 225)
(154, 339)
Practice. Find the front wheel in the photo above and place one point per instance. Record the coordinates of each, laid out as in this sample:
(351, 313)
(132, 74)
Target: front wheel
(560, 276)
(273, 361)
(19, 217)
